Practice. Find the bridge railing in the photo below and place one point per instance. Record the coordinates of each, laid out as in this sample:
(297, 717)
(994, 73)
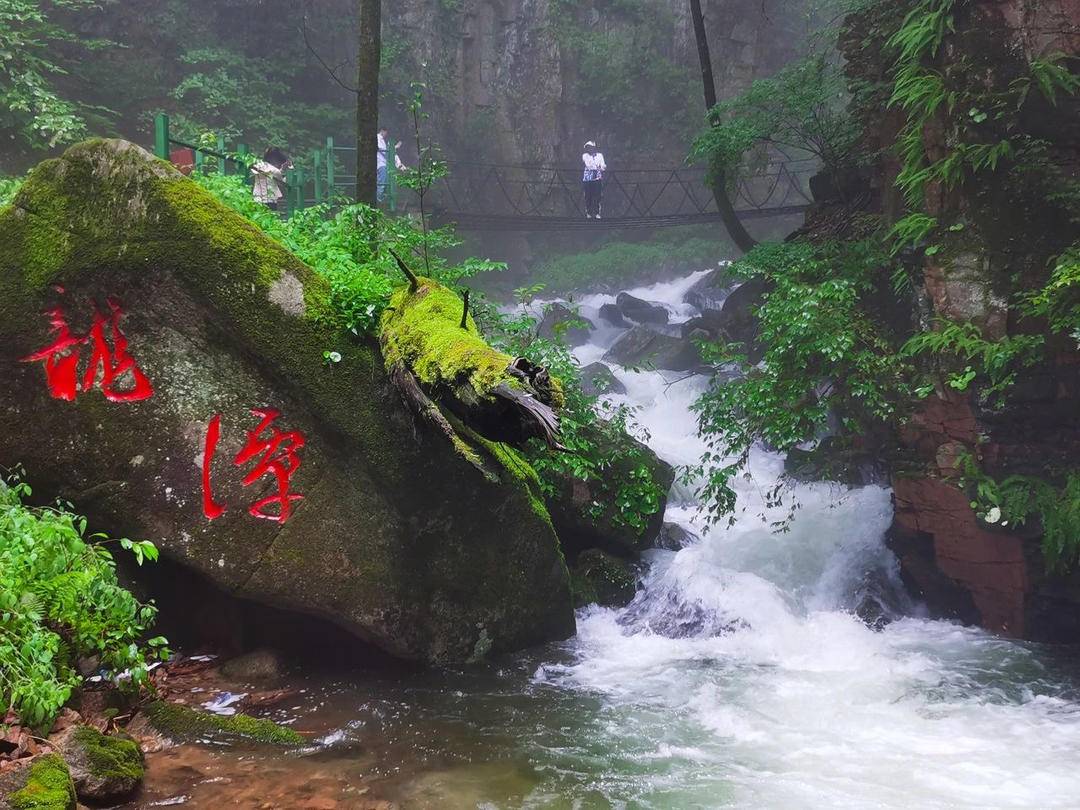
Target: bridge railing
(484, 193)
(487, 190)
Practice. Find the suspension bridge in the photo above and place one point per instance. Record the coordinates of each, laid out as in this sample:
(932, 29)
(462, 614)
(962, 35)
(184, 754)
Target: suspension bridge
(506, 197)
(536, 198)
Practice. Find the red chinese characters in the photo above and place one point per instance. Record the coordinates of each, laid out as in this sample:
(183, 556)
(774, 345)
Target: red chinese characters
(61, 359)
(275, 452)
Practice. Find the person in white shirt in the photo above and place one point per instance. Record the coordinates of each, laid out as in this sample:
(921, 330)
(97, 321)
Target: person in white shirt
(592, 181)
(380, 163)
(269, 174)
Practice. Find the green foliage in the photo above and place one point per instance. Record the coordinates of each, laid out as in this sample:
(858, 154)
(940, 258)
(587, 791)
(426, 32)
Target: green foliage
(624, 264)
(31, 107)
(60, 600)
(824, 355)
(597, 434)
(802, 109)
(923, 30)
(1051, 77)
(998, 361)
(349, 246)
(1014, 500)
(246, 97)
(1059, 300)
(8, 187)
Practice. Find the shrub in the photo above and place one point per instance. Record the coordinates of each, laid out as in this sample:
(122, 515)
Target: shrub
(59, 601)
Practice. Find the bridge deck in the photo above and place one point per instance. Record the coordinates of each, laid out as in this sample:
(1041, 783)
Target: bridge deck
(511, 222)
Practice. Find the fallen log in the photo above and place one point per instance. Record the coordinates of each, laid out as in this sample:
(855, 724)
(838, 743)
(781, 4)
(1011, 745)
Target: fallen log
(437, 358)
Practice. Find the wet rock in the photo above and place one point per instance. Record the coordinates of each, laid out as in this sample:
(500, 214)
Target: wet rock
(613, 316)
(395, 525)
(737, 320)
(103, 768)
(709, 293)
(641, 347)
(561, 322)
(707, 326)
(598, 578)
(258, 665)
(641, 311)
(834, 460)
(39, 784)
(183, 723)
(597, 378)
(674, 537)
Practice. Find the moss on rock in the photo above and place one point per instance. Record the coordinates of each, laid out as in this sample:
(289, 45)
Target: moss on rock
(103, 767)
(422, 330)
(184, 723)
(48, 787)
(393, 531)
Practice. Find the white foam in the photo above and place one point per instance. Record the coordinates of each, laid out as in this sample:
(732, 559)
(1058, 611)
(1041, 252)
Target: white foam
(745, 649)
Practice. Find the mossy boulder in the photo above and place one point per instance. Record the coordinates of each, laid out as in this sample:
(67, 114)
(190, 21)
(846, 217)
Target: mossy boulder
(43, 784)
(396, 538)
(585, 513)
(104, 768)
(185, 724)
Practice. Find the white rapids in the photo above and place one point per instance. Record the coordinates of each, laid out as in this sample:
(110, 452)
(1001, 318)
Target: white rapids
(741, 676)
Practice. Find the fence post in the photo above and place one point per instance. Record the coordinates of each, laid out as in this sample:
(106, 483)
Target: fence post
(199, 168)
(316, 159)
(290, 179)
(301, 198)
(222, 163)
(161, 136)
(241, 166)
(330, 167)
(391, 177)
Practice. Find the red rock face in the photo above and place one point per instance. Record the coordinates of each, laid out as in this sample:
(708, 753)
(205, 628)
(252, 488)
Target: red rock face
(963, 568)
(991, 566)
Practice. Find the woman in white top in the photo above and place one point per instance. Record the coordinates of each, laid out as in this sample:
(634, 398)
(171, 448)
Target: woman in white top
(269, 176)
(592, 181)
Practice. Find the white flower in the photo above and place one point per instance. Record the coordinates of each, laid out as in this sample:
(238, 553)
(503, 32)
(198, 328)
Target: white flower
(335, 357)
(993, 516)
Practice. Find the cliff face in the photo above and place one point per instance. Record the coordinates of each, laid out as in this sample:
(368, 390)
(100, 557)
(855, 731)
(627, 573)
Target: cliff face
(1006, 225)
(528, 81)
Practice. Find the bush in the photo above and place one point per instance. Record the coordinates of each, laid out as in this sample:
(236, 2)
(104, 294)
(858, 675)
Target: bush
(825, 356)
(597, 434)
(351, 247)
(60, 601)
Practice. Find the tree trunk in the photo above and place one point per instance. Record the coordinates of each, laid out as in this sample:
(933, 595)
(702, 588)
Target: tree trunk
(743, 240)
(367, 98)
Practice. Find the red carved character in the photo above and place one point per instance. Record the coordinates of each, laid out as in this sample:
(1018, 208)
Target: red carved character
(276, 454)
(61, 358)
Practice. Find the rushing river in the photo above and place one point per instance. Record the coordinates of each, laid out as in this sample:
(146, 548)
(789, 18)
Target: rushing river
(740, 676)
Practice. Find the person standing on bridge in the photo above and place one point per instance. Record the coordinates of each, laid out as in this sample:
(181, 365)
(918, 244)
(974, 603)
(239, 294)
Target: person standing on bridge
(592, 181)
(381, 175)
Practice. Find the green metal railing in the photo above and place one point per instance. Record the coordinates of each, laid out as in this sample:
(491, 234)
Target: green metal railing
(323, 182)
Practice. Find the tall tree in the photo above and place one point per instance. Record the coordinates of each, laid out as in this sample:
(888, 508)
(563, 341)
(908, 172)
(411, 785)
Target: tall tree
(735, 229)
(367, 99)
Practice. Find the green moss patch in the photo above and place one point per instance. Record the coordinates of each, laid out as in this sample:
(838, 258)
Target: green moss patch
(112, 758)
(423, 331)
(185, 723)
(48, 787)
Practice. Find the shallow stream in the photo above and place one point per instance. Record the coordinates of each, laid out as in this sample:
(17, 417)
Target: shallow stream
(739, 677)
